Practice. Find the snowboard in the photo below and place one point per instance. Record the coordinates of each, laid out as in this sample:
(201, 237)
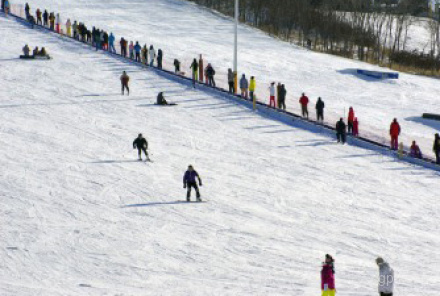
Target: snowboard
(169, 104)
(192, 201)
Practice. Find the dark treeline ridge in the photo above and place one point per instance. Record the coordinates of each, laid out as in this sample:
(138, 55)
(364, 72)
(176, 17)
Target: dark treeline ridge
(373, 32)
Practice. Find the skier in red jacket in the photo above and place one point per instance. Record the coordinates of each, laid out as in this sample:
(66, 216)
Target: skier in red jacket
(304, 101)
(394, 133)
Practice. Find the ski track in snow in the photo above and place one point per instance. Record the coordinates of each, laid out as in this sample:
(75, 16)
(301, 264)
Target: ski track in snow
(80, 216)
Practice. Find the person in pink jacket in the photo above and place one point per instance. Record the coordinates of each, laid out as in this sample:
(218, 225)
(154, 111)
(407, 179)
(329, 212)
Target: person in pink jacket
(328, 277)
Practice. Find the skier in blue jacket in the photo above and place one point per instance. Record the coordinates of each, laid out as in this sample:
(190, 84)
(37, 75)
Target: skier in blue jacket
(137, 50)
(111, 42)
(190, 180)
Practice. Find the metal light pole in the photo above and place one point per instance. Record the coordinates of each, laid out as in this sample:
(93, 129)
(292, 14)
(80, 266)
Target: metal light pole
(236, 47)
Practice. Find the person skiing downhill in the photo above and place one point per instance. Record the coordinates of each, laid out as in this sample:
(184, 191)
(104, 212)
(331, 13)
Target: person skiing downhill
(350, 120)
(386, 278)
(124, 83)
(190, 181)
(142, 145)
(320, 109)
(304, 101)
(436, 148)
(328, 277)
(341, 131)
(394, 133)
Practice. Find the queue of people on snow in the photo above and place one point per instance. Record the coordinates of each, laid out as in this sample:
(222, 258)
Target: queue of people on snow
(206, 74)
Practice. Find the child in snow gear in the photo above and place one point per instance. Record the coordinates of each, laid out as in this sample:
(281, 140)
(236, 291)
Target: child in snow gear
(320, 109)
(210, 73)
(304, 101)
(328, 277)
(350, 120)
(244, 86)
(394, 133)
(195, 68)
(415, 150)
(282, 97)
(161, 100)
(386, 278)
(272, 94)
(231, 81)
(142, 145)
(201, 69)
(436, 148)
(355, 127)
(340, 131)
(190, 181)
(124, 82)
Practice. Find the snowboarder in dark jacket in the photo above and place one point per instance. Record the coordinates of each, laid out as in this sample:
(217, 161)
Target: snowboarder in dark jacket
(159, 58)
(142, 145)
(190, 180)
(341, 131)
(436, 148)
(161, 99)
(176, 66)
(320, 109)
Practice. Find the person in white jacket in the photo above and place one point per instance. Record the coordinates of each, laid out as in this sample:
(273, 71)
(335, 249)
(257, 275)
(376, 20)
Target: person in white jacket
(386, 278)
(152, 55)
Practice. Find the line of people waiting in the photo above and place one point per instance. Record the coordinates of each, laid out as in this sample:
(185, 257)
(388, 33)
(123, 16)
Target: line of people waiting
(277, 99)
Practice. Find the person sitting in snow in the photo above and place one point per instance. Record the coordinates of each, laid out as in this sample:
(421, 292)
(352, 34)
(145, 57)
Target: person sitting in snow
(26, 51)
(161, 100)
(415, 150)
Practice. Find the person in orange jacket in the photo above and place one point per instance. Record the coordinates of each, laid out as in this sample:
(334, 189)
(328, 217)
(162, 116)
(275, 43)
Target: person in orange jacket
(350, 120)
(394, 133)
(355, 127)
(304, 101)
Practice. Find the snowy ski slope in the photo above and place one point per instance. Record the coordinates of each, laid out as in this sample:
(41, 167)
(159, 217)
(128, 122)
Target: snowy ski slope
(184, 30)
(79, 216)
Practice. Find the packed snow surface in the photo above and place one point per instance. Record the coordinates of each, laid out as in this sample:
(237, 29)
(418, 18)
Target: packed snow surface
(80, 216)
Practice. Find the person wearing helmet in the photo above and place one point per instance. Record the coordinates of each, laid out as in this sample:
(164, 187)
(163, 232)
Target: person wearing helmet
(190, 181)
(142, 145)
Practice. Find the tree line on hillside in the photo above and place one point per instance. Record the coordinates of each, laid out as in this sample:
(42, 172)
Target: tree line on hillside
(374, 31)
